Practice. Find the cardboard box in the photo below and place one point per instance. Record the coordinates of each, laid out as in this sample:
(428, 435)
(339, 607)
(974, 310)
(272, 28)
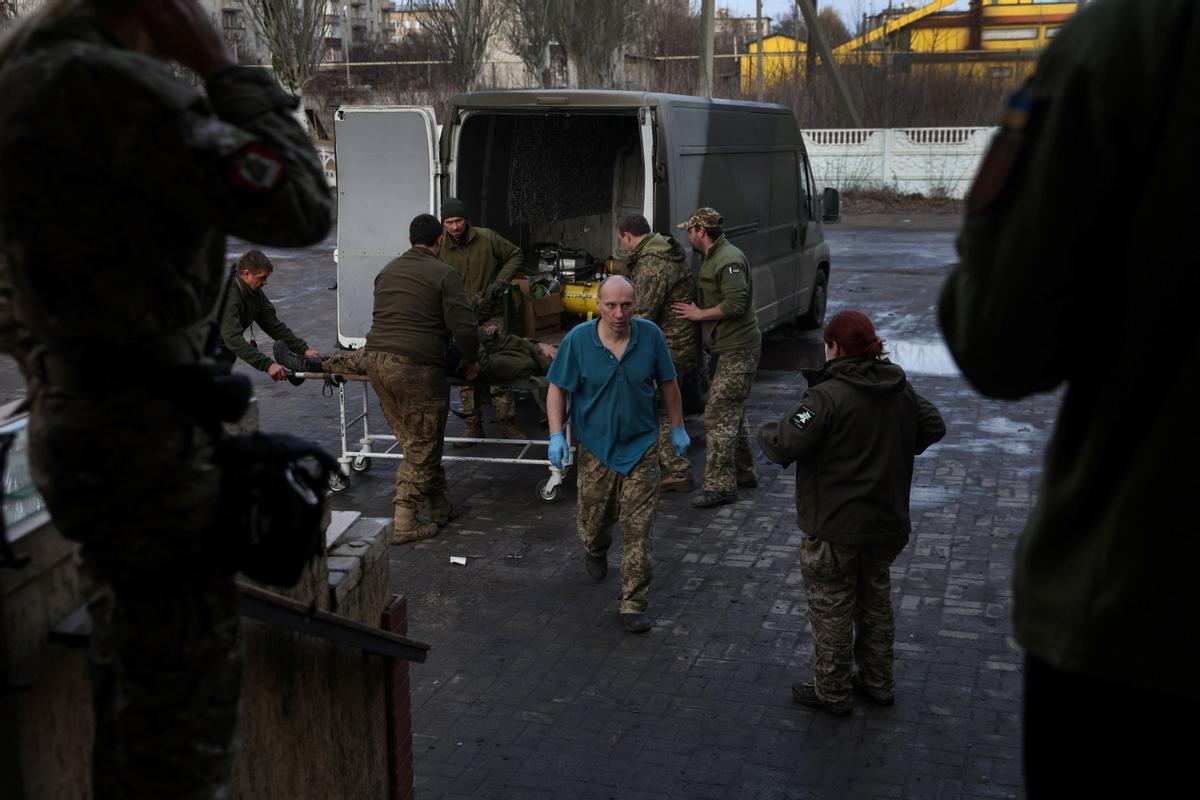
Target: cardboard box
(538, 317)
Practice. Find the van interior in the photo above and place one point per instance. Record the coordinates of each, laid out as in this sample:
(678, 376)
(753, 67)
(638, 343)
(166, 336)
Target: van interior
(552, 182)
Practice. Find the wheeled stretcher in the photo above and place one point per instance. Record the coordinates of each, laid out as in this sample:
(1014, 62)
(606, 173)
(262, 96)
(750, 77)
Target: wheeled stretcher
(384, 446)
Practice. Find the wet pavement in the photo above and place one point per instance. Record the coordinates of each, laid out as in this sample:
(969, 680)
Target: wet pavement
(534, 690)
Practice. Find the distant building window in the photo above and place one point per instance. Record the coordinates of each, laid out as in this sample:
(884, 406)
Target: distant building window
(1009, 34)
(1051, 32)
(408, 24)
(1000, 72)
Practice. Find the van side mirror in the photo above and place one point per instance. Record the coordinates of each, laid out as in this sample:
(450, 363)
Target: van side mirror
(831, 206)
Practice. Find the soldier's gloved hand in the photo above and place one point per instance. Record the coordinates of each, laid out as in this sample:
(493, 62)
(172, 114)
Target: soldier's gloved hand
(497, 289)
(680, 440)
(558, 450)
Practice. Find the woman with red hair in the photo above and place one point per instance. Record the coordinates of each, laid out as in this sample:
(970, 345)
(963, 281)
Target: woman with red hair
(853, 437)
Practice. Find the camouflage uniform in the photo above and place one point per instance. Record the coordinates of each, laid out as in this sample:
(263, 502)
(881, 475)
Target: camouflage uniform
(483, 258)
(849, 592)
(724, 281)
(606, 497)
(118, 183)
(853, 437)
(729, 460)
(419, 307)
(415, 400)
(661, 277)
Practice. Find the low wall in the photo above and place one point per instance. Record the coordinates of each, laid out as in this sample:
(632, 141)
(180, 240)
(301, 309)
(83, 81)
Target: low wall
(929, 161)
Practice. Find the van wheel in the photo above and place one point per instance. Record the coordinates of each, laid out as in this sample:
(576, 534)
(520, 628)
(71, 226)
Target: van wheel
(815, 317)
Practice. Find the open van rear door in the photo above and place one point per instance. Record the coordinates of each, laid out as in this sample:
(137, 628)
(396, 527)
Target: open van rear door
(387, 166)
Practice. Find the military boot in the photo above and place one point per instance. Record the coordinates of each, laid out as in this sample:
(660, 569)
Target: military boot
(472, 429)
(294, 361)
(408, 528)
(509, 429)
(442, 511)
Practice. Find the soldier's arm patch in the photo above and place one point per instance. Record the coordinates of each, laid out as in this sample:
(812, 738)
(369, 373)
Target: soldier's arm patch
(802, 418)
(255, 168)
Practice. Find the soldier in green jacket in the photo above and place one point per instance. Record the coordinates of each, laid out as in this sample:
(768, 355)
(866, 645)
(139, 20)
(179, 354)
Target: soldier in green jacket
(1079, 268)
(661, 276)
(729, 332)
(419, 307)
(487, 263)
(853, 437)
(246, 304)
(118, 185)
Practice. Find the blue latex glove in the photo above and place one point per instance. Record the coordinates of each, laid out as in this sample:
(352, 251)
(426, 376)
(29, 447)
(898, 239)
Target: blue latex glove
(558, 449)
(681, 440)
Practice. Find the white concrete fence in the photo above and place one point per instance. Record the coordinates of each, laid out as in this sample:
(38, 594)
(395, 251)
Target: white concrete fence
(928, 161)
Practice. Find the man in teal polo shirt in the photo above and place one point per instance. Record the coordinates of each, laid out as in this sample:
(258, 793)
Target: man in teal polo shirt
(611, 367)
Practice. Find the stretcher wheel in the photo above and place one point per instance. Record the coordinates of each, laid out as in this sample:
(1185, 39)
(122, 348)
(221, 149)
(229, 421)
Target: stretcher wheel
(549, 495)
(361, 464)
(338, 482)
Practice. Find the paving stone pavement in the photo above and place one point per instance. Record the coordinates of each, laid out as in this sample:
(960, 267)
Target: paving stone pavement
(534, 690)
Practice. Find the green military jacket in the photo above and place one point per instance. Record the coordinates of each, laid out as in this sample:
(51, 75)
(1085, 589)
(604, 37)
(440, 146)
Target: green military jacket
(118, 185)
(482, 258)
(661, 276)
(724, 281)
(853, 437)
(1078, 267)
(245, 307)
(95, 139)
(419, 306)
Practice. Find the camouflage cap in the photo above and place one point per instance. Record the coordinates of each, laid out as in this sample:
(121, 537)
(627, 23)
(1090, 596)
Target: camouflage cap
(704, 217)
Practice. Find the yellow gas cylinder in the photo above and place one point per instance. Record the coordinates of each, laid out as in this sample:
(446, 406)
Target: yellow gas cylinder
(580, 298)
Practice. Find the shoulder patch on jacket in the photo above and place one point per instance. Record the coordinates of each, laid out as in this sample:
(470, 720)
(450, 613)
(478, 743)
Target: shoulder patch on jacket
(803, 418)
(255, 168)
(1002, 154)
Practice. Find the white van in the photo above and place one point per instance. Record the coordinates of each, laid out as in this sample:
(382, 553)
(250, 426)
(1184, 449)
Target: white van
(544, 166)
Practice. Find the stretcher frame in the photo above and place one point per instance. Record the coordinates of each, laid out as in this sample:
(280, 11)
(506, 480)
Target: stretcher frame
(360, 460)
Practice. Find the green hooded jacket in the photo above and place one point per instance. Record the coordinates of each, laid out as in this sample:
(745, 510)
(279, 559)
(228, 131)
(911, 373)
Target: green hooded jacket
(482, 258)
(661, 276)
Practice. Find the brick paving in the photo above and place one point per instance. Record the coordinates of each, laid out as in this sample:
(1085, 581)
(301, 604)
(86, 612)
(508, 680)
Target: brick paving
(534, 690)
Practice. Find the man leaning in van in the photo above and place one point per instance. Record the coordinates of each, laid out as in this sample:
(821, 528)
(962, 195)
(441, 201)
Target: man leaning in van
(729, 332)
(487, 263)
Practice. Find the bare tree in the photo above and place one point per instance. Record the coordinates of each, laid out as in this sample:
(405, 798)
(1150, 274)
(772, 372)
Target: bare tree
(295, 33)
(594, 34)
(462, 30)
(530, 28)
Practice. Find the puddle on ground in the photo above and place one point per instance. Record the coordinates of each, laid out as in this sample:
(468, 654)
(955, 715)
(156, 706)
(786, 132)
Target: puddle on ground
(922, 358)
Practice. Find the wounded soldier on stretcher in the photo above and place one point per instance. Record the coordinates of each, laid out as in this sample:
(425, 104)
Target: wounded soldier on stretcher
(503, 358)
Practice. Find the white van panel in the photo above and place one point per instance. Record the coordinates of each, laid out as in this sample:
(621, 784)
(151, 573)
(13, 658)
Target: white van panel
(387, 159)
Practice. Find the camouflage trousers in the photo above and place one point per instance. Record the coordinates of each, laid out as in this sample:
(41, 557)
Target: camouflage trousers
(137, 485)
(502, 400)
(415, 399)
(607, 497)
(850, 605)
(729, 459)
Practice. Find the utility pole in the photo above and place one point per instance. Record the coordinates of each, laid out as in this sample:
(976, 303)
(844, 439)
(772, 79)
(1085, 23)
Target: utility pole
(346, 41)
(707, 31)
(814, 30)
(758, 27)
(810, 56)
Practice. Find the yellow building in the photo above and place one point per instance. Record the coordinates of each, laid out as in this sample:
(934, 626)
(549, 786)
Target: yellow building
(783, 56)
(998, 39)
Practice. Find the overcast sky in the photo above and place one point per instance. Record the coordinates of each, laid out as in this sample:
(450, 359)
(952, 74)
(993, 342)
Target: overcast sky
(849, 10)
